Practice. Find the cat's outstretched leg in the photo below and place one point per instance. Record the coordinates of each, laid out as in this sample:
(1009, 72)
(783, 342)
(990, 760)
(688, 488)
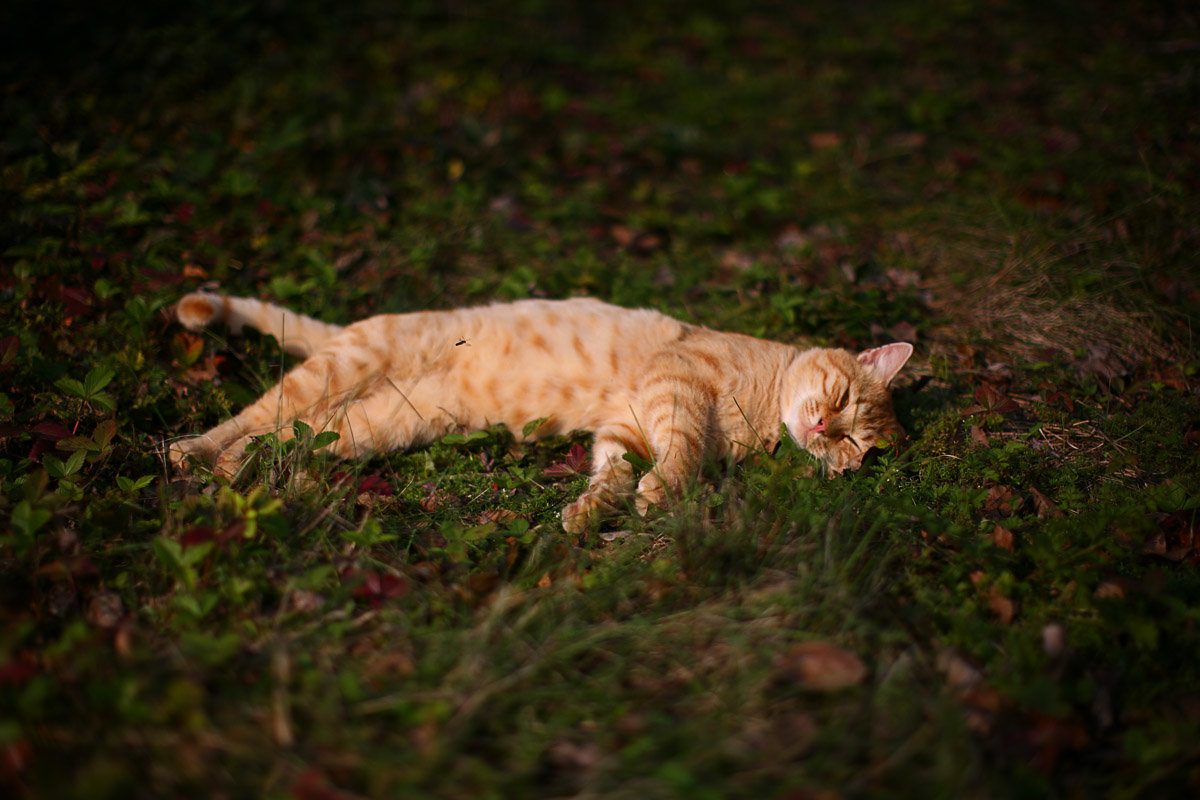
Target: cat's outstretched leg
(612, 479)
(312, 392)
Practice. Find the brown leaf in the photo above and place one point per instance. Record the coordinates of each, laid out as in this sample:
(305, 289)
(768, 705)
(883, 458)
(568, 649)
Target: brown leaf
(824, 140)
(544, 582)
(822, 666)
(908, 140)
(1049, 736)
(791, 238)
(737, 260)
(959, 672)
(1155, 545)
(1004, 608)
(1001, 500)
(1054, 640)
(1101, 363)
(567, 755)
(498, 515)
(387, 664)
(623, 235)
(105, 609)
(194, 271)
(982, 703)
(1044, 505)
(1003, 538)
(306, 601)
(313, 785)
(978, 436)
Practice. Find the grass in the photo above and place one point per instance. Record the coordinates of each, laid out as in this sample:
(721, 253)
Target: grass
(1003, 606)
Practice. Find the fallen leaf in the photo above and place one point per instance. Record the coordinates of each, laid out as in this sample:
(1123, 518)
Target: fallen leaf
(822, 666)
(1003, 607)
(791, 238)
(306, 601)
(1054, 640)
(574, 757)
(908, 140)
(1109, 590)
(824, 140)
(623, 235)
(1155, 545)
(105, 610)
(1051, 735)
(1044, 505)
(375, 485)
(1002, 537)
(498, 515)
(982, 703)
(959, 673)
(1100, 362)
(978, 436)
(311, 784)
(387, 664)
(1001, 500)
(377, 586)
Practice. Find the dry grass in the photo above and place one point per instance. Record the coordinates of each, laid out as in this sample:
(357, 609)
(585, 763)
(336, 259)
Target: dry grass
(1032, 300)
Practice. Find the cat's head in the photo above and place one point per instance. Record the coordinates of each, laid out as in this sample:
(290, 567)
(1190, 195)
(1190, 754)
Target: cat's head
(837, 405)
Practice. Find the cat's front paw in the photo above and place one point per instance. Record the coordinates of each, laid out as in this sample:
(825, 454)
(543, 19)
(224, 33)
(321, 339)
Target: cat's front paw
(651, 491)
(231, 459)
(581, 515)
(181, 453)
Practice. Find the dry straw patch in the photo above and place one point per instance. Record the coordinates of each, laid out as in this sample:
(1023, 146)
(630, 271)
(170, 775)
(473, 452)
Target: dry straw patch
(1019, 296)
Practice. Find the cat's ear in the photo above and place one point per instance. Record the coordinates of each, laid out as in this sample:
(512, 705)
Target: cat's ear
(886, 361)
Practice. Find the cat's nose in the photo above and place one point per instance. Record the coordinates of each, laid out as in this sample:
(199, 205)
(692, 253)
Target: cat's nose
(819, 427)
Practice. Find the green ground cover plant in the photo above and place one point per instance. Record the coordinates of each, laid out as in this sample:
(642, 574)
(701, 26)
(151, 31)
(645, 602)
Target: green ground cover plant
(1005, 604)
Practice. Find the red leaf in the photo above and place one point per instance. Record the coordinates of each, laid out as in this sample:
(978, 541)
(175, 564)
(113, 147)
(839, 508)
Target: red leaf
(374, 484)
(197, 534)
(77, 299)
(52, 431)
(312, 785)
(16, 672)
(182, 213)
(381, 586)
(9, 346)
(46, 433)
(1061, 399)
(576, 462)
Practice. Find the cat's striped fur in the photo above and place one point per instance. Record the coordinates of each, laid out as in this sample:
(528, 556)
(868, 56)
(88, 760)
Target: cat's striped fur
(673, 393)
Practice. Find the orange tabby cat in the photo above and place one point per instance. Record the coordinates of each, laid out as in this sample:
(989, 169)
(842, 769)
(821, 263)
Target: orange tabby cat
(674, 394)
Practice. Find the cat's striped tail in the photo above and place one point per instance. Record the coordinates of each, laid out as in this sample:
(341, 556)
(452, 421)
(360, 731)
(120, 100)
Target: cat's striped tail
(298, 334)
